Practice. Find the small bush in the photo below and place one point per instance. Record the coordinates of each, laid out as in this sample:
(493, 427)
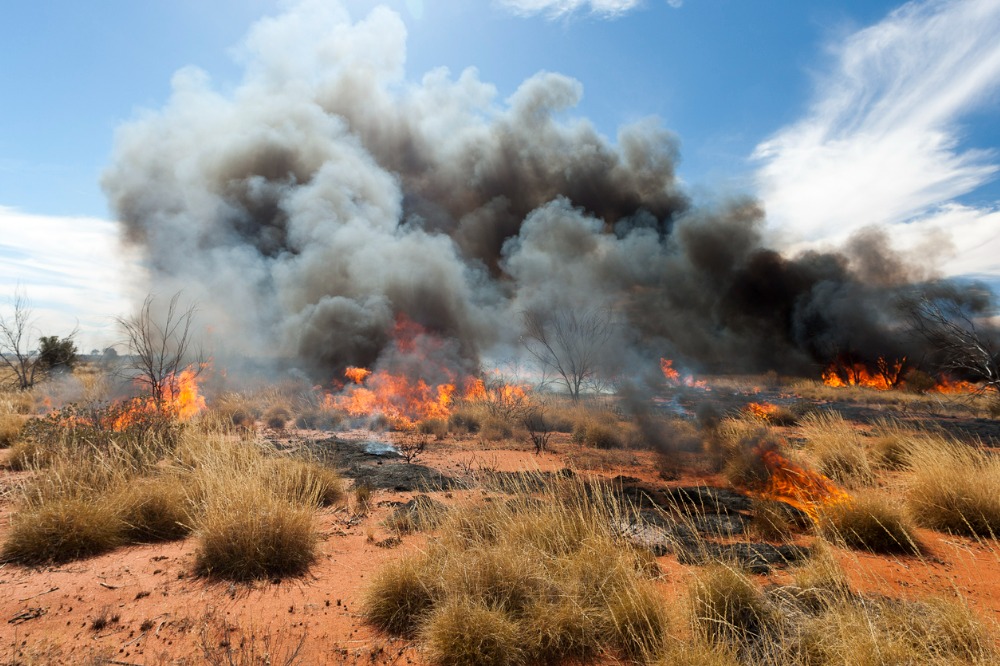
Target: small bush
(464, 632)
(319, 419)
(62, 529)
(10, 429)
(252, 534)
(838, 448)
(154, 509)
(494, 429)
(869, 522)
(955, 487)
(304, 481)
(465, 419)
(277, 416)
(597, 435)
(400, 596)
(436, 427)
(729, 607)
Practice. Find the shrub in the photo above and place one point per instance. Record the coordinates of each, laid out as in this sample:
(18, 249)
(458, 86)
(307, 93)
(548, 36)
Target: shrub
(465, 632)
(465, 419)
(869, 522)
(400, 596)
(10, 429)
(250, 534)
(277, 416)
(436, 427)
(838, 449)
(62, 529)
(319, 419)
(154, 509)
(729, 607)
(494, 429)
(304, 481)
(955, 487)
(598, 435)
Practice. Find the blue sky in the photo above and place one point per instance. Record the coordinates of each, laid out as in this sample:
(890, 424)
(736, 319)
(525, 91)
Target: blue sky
(836, 115)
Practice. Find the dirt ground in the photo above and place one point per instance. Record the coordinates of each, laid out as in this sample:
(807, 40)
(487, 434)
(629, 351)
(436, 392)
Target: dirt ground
(144, 605)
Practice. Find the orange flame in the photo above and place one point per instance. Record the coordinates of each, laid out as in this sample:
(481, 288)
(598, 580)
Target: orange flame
(797, 486)
(402, 400)
(765, 411)
(181, 399)
(674, 377)
(357, 375)
(949, 386)
(886, 375)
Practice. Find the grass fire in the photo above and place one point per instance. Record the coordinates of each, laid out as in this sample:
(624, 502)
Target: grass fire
(415, 371)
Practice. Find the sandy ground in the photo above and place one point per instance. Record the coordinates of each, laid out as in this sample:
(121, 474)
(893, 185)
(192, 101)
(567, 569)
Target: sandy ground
(156, 611)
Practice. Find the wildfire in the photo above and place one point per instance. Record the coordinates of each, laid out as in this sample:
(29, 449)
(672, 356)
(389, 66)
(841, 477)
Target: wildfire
(886, 376)
(181, 399)
(674, 377)
(402, 400)
(797, 486)
(765, 411)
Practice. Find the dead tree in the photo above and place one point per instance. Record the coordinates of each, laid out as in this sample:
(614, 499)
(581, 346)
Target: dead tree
(17, 353)
(569, 344)
(16, 333)
(160, 347)
(963, 348)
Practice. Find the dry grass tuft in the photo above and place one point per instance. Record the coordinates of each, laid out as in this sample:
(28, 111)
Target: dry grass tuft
(838, 448)
(251, 534)
(62, 529)
(530, 579)
(304, 481)
(10, 429)
(436, 427)
(869, 522)
(155, 509)
(954, 487)
(598, 434)
(729, 608)
(277, 416)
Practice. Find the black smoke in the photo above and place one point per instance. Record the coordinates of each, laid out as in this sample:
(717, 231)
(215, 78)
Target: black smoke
(324, 197)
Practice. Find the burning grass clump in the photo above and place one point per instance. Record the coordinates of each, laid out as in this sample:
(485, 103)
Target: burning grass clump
(530, 579)
(869, 522)
(838, 448)
(954, 487)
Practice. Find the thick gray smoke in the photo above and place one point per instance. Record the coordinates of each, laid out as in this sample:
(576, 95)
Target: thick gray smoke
(324, 197)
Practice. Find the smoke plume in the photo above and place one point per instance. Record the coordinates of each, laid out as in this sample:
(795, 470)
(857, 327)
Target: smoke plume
(326, 197)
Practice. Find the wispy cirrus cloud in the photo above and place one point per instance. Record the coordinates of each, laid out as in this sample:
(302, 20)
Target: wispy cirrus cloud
(562, 8)
(882, 142)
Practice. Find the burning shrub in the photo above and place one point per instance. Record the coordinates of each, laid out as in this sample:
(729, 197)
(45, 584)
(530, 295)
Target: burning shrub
(955, 487)
(869, 522)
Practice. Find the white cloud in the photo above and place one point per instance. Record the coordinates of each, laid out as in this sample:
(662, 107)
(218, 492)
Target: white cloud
(560, 8)
(72, 270)
(880, 143)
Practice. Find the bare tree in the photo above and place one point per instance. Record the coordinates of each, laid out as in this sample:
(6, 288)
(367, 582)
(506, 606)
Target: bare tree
(17, 332)
(569, 344)
(964, 348)
(159, 346)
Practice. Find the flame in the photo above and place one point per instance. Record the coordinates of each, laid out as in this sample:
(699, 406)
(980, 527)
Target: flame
(948, 386)
(357, 375)
(397, 397)
(674, 377)
(765, 411)
(181, 399)
(886, 375)
(797, 486)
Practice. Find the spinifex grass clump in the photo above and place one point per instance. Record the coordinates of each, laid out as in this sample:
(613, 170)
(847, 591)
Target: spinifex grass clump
(838, 448)
(954, 486)
(869, 522)
(536, 578)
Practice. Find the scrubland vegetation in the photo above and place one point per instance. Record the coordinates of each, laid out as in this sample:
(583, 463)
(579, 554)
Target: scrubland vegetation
(542, 568)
